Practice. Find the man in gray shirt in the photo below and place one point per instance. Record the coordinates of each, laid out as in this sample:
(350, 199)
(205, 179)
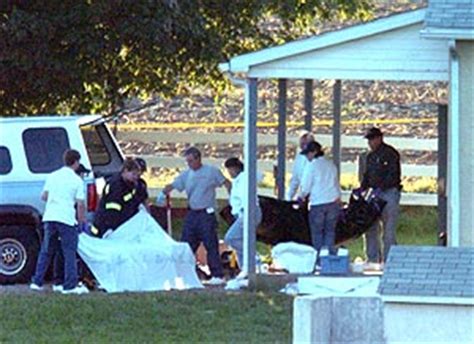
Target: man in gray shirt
(200, 225)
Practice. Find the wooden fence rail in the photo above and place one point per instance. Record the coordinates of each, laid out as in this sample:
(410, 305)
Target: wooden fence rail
(401, 143)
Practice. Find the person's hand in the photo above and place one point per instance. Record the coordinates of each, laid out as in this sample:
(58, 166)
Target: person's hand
(301, 200)
(167, 189)
(359, 191)
(161, 198)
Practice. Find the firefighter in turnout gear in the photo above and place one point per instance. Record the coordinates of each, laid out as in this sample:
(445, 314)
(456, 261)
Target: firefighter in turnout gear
(120, 200)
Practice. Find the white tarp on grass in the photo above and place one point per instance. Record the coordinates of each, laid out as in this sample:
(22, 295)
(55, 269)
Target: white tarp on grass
(139, 256)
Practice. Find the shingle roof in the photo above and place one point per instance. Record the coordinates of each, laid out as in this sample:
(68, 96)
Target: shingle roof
(429, 271)
(450, 14)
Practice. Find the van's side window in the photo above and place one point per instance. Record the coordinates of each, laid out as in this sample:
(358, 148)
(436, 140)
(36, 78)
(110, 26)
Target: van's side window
(44, 148)
(5, 160)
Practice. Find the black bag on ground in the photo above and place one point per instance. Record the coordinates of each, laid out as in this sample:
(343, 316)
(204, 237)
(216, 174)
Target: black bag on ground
(284, 221)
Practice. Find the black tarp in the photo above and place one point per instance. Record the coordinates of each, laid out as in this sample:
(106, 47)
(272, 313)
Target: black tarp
(284, 221)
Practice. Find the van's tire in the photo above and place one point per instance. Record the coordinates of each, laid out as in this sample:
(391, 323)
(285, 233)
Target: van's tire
(19, 247)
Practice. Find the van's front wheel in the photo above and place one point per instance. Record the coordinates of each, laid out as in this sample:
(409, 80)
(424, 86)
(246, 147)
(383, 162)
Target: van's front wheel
(19, 247)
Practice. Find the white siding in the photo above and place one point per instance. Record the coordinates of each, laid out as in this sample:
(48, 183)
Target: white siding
(394, 55)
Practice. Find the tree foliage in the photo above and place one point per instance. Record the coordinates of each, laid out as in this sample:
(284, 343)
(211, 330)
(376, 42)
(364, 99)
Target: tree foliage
(89, 55)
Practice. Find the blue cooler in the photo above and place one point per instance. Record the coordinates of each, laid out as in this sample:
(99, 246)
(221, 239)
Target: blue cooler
(334, 265)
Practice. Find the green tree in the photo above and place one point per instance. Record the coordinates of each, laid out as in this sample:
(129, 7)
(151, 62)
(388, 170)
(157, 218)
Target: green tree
(89, 55)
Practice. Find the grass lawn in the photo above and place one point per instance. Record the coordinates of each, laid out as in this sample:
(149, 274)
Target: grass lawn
(206, 316)
(165, 317)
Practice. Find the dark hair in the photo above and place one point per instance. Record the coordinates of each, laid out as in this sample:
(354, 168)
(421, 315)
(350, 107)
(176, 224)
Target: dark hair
(313, 147)
(142, 163)
(234, 162)
(71, 156)
(130, 164)
(196, 153)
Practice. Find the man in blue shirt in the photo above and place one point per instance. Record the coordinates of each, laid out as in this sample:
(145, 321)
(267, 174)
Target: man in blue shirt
(200, 225)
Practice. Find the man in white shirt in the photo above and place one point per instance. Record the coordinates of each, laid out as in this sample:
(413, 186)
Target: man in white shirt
(320, 181)
(62, 192)
(298, 166)
(235, 235)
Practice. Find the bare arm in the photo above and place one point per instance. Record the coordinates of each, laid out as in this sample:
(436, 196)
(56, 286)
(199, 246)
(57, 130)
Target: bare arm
(81, 211)
(167, 189)
(44, 196)
(228, 185)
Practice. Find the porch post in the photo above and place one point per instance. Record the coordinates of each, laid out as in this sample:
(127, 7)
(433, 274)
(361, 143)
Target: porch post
(336, 128)
(454, 212)
(442, 172)
(308, 104)
(281, 138)
(250, 177)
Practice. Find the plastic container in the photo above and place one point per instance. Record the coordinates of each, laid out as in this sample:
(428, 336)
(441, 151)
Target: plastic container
(334, 265)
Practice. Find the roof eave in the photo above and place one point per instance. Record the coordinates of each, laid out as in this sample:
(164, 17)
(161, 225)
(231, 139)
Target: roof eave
(447, 33)
(243, 63)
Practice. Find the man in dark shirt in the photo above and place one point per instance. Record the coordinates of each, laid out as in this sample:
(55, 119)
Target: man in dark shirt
(383, 173)
(120, 200)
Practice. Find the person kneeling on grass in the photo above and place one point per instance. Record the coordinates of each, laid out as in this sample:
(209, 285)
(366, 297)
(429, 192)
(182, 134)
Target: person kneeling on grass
(234, 236)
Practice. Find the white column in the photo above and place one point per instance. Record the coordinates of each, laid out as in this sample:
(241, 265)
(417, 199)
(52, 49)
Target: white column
(453, 152)
(250, 177)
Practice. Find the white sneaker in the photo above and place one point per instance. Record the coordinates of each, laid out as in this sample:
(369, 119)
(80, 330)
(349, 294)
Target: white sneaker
(34, 286)
(216, 281)
(371, 266)
(77, 290)
(58, 288)
(241, 275)
(237, 284)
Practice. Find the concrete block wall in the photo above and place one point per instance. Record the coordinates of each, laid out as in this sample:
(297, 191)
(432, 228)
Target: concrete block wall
(338, 320)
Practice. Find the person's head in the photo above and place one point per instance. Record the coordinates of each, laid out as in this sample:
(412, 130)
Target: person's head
(130, 171)
(234, 166)
(305, 137)
(192, 155)
(375, 138)
(72, 158)
(142, 163)
(313, 150)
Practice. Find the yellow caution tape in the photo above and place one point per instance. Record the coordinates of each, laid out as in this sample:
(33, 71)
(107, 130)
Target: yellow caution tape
(221, 125)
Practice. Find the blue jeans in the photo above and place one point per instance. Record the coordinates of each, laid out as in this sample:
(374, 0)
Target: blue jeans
(69, 238)
(387, 224)
(199, 226)
(235, 235)
(322, 222)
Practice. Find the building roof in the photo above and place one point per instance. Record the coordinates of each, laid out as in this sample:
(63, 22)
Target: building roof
(388, 48)
(450, 19)
(242, 63)
(431, 271)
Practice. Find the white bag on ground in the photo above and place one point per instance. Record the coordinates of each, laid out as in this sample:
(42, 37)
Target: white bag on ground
(139, 256)
(296, 258)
